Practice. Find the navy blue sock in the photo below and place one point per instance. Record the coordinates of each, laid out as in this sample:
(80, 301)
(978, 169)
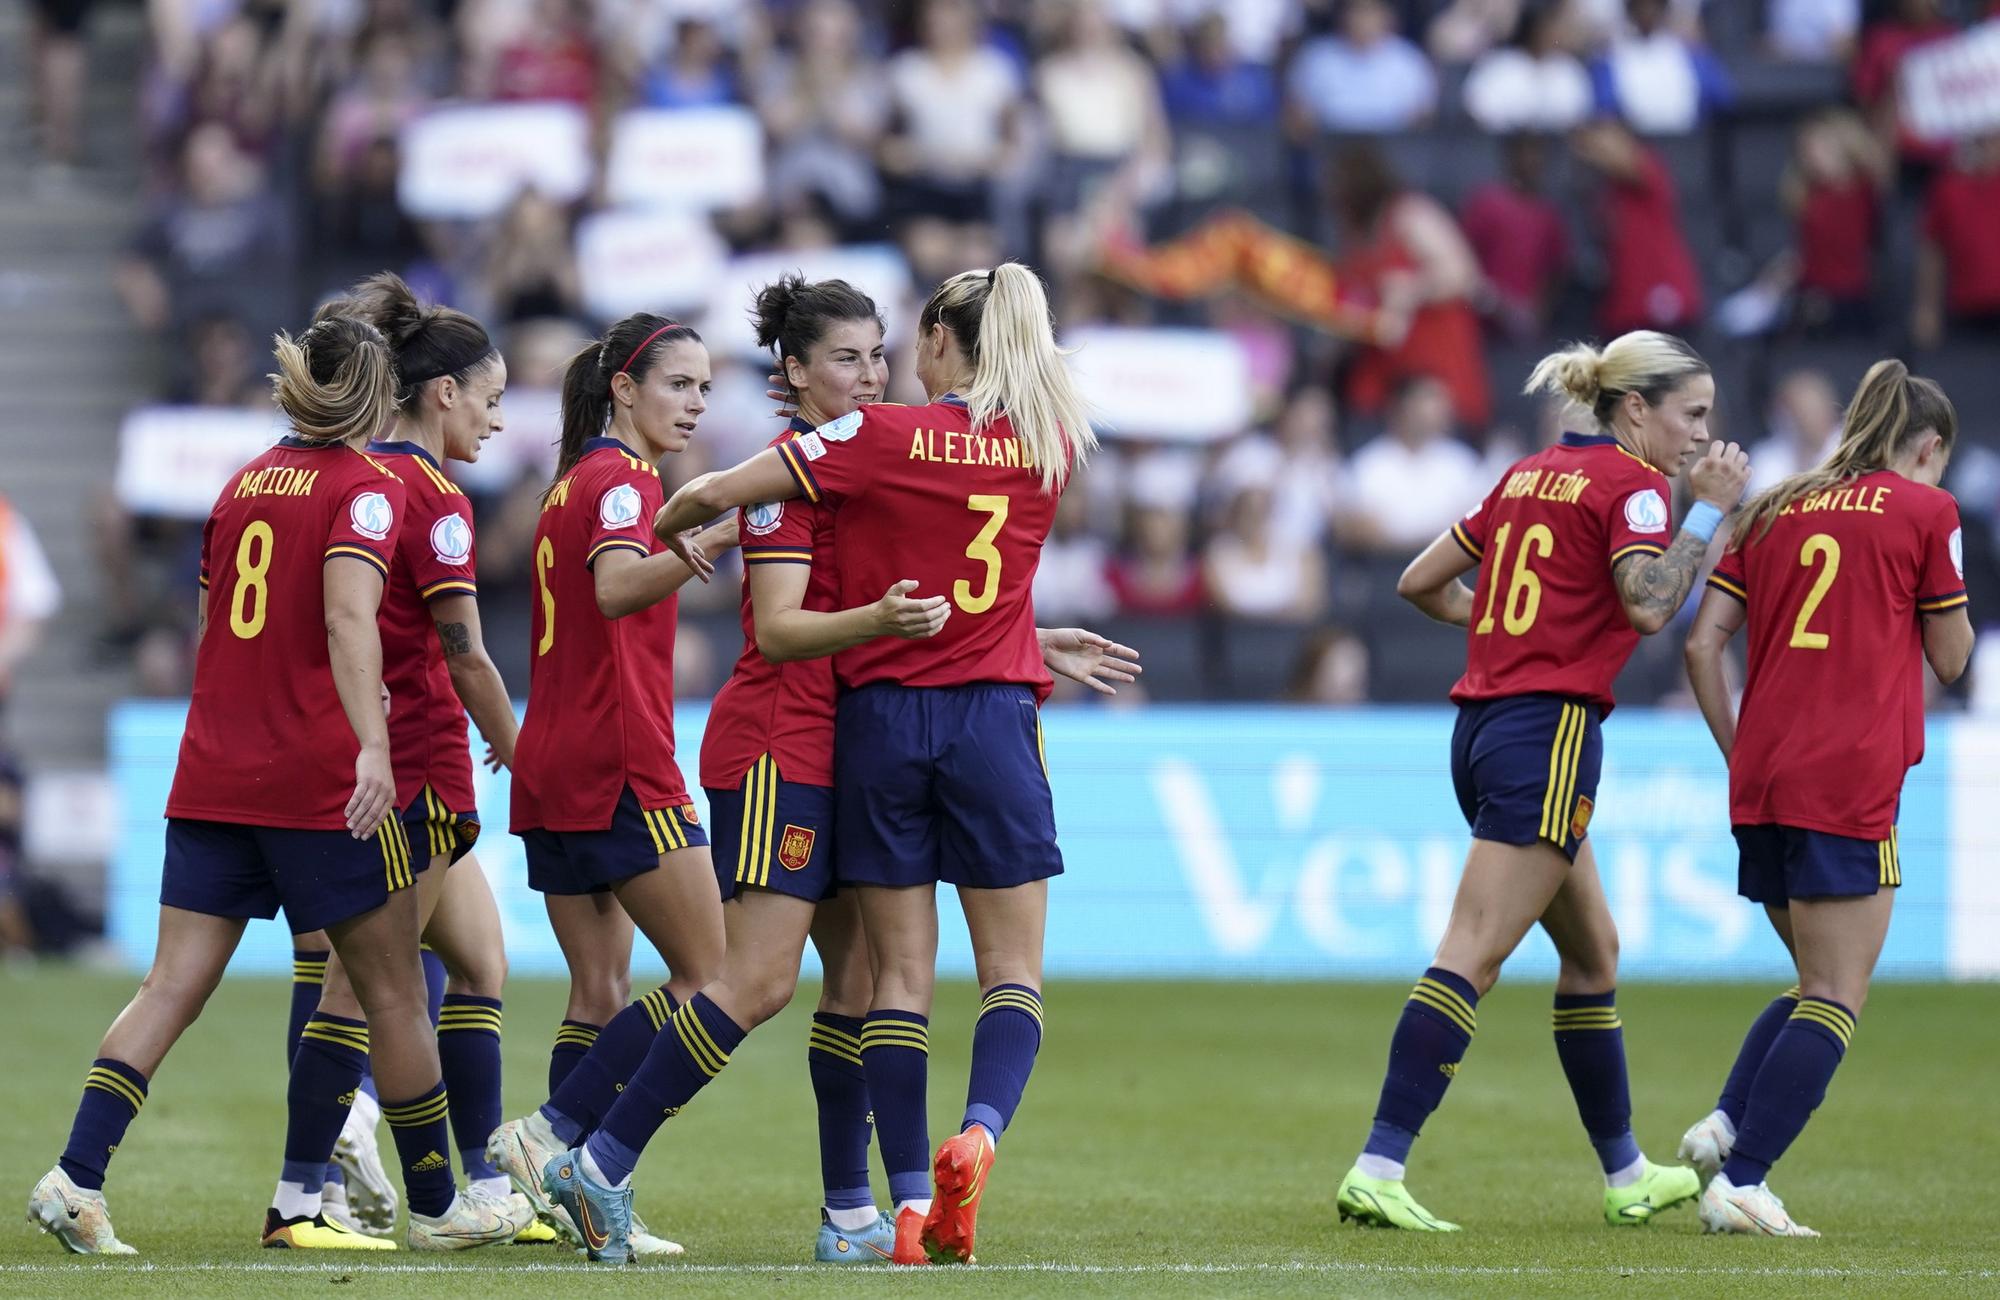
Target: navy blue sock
(1790, 1086)
(333, 1051)
(573, 1041)
(585, 1097)
(1764, 1029)
(1004, 1043)
(677, 1066)
(1590, 1042)
(469, 1051)
(423, 1135)
(840, 1087)
(895, 1051)
(308, 977)
(113, 1092)
(1436, 1027)
(434, 982)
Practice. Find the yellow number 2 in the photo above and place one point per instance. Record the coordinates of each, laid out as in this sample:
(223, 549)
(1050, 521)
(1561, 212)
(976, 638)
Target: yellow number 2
(983, 550)
(252, 598)
(1819, 544)
(1524, 589)
(545, 559)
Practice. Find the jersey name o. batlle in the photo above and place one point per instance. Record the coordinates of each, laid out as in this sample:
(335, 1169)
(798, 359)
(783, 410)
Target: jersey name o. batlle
(600, 690)
(428, 738)
(267, 742)
(1546, 615)
(1834, 596)
(918, 495)
(784, 710)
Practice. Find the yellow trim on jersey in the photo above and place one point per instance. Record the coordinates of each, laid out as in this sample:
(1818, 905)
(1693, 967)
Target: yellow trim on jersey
(384, 469)
(1942, 603)
(758, 832)
(1828, 1016)
(1728, 588)
(1637, 548)
(775, 555)
(1444, 999)
(788, 453)
(1889, 857)
(1464, 539)
(613, 544)
(117, 1085)
(443, 484)
(451, 587)
(1564, 755)
(352, 552)
(1635, 456)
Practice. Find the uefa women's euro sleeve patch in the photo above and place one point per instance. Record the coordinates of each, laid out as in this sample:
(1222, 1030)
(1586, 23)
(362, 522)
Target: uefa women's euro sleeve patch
(623, 520)
(1646, 512)
(443, 567)
(366, 524)
(619, 508)
(842, 429)
(1942, 586)
(372, 515)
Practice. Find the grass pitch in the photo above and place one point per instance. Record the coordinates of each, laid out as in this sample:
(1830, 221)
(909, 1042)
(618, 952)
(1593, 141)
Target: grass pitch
(1178, 1139)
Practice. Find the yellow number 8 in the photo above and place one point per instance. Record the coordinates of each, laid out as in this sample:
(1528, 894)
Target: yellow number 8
(251, 590)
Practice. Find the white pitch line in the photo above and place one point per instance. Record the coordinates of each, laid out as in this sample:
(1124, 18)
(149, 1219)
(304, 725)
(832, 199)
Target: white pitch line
(1329, 1267)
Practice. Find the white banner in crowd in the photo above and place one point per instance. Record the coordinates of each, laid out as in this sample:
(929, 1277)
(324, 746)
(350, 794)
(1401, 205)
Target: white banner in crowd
(1177, 385)
(1952, 88)
(173, 460)
(698, 159)
(647, 261)
(878, 270)
(464, 163)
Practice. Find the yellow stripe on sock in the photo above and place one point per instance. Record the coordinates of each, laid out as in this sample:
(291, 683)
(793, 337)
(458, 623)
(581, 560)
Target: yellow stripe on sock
(659, 1008)
(698, 1049)
(1453, 998)
(1792, 993)
(896, 1034)
(116, 1084)
(1451, 1013)
(1831, 1017)
(417, 1114)
(1014, 1002)
(841, 1035)
(819, 1042)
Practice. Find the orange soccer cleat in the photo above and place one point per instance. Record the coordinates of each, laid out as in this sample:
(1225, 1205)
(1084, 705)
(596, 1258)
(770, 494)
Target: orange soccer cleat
(960, 1172)
(909, 1238)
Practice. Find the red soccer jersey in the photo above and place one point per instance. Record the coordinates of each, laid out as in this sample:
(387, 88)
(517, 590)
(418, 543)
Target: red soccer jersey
(428, 738)
(1833, 711)
(267, 743)
(784, 710)
(1546, 615)
(920, 496)
(600, 690)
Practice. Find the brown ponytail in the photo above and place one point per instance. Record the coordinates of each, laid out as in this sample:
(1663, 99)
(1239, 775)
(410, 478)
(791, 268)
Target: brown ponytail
(335, 382)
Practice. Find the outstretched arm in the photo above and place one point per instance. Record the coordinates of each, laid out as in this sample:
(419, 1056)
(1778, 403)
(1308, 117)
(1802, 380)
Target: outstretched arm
(761, 478)
(627, 582)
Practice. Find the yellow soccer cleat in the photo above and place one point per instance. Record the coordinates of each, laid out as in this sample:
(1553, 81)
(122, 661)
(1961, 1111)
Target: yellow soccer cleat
(1660, 1187)
(73, 1216)
(1384, 1203)
(315, 1233)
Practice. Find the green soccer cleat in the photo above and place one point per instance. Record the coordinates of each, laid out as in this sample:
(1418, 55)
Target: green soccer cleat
(1384, 1203)
(1661, 1187)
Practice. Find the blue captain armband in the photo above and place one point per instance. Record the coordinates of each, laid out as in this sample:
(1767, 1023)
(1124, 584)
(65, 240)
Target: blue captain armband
(1703, 518)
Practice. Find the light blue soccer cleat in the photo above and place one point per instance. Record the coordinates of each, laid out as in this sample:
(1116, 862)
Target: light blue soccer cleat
(602, 1215)
(874, 1244)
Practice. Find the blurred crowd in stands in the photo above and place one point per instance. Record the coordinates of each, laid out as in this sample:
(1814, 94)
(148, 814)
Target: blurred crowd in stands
(1486, 177)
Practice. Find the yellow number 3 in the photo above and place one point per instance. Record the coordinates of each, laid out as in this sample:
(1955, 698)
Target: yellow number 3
(983, 550)
(252, 598)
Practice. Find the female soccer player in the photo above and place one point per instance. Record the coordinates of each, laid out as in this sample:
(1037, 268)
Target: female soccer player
(938, 770)
(283, 795)
(608, 826)
(1574, 567)
(449, 381)
(1849, 575)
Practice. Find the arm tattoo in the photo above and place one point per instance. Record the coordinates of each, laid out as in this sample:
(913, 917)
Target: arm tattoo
(457, 638)
(1659, 584)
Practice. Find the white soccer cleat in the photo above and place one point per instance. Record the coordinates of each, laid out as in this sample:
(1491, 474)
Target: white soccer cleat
(521, 1149)
(470, 1222)
(1707, 1145)
(333, 1207)
(645, 1244)
(1750, 1211)
(371, 1196)
(73, 1216)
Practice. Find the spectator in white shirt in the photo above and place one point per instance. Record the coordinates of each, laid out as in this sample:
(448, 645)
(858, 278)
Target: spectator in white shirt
(29, 595)
(1813, 31)
(1367, 78)
(1805, 425)
(1534, 82)
(1408, 485)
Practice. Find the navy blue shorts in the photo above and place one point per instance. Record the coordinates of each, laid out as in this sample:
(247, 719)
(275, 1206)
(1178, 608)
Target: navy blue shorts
(1776, 864)
(320, 878)
(1525, 768)
(942, 783)
(433, 826)
(773, 834)
(591, 862)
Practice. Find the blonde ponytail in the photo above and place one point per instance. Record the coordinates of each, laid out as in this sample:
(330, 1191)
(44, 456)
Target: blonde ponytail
(1890, 408)
(1002, 320)
(336, 382)
(1643, 362)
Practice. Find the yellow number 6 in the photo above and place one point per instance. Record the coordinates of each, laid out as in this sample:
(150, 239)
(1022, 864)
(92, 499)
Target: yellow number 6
(983, 550)
(545, 559)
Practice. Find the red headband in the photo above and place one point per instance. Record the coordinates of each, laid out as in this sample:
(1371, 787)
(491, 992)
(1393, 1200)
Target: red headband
(642, 347)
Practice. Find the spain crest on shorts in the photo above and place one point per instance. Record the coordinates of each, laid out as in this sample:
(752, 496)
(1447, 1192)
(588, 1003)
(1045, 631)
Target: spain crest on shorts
(1579, 821)
(795, 847)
